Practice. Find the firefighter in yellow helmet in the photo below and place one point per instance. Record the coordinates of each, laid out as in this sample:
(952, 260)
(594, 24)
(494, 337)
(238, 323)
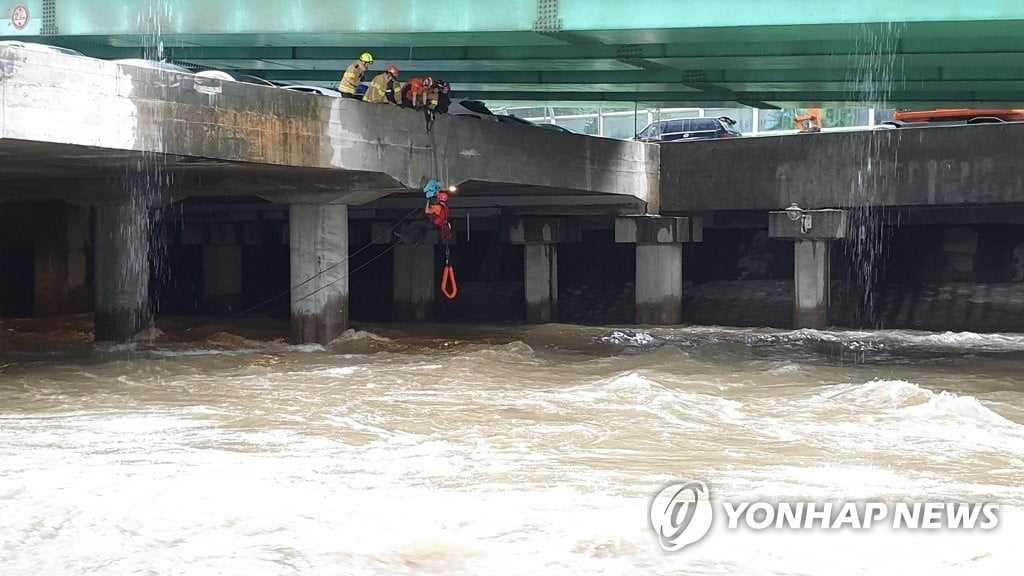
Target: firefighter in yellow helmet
(385, 88)
(353, 77)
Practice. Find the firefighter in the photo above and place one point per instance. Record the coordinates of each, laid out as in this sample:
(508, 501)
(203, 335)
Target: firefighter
(440, 97)
(414, 93)
(349, 84)
(385, 88)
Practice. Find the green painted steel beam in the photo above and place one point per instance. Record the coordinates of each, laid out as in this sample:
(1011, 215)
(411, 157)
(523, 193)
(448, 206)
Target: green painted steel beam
(759, 52)
(111, 17)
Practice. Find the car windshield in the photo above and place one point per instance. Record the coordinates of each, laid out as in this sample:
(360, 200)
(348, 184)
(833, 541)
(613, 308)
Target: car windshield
(154, 65)
(475, 106)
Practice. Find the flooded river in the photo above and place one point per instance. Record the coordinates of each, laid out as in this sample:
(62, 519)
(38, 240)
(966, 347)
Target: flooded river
(498, 450)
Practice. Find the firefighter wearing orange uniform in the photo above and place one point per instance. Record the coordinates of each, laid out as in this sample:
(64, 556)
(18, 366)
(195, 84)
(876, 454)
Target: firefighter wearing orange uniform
(414, 93)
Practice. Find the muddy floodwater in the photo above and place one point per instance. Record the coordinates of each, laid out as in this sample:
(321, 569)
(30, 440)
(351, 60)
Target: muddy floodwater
(496, 450)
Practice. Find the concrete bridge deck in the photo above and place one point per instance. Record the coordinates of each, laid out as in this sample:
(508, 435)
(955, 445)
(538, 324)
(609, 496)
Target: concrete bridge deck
(73, 127)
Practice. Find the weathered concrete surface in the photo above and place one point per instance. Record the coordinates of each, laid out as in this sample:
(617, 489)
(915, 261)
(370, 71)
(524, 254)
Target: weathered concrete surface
(413, 282)
(658, 230)
(122, 271)
(905, 167)
(541, 282)
(319, 271)
(89, 119)
(543, 230)
(811, 274)
(659, 283)
(61, 241)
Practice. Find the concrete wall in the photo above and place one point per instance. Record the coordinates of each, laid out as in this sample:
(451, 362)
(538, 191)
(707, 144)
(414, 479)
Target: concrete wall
(900, 167)
(348, 152)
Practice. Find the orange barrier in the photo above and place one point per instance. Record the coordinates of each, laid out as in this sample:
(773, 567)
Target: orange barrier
(1005, 114)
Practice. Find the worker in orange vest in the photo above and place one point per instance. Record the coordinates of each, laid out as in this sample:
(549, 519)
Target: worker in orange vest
(353, 77)
(810, 122)
(384, 88)
(414, 93)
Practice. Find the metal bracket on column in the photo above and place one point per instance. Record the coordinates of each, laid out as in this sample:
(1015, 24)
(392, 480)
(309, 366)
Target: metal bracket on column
(795, 223)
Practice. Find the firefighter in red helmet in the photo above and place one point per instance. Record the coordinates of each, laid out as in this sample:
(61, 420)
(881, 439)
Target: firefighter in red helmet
(385, 88)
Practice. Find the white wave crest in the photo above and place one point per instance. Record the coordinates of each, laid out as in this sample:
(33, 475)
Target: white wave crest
(352, 334)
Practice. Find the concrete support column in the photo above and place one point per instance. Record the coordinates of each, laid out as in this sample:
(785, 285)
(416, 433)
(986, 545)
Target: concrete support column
(222, 278)
(122, 271)
(540, 237)
(222, 270)
(414, 280)
(811, 283)
(812, 232)
(659, 284)
(541, 265)
(60, 261)
(319, 271)
(414, 283)
(659, 263)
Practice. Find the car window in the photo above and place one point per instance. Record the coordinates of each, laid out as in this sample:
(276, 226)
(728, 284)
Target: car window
(651, 131)
(672, 127)
(705, 125)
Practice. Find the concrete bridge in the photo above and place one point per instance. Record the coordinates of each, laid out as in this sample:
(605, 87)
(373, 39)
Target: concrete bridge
(130, 140)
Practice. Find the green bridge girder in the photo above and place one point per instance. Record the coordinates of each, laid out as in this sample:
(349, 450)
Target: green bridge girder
(762, 53)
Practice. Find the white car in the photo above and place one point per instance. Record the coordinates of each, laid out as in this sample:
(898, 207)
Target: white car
(40, 47)
(232, 77)
(313, 90)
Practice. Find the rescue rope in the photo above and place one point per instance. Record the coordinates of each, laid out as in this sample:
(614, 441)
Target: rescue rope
(284, 293)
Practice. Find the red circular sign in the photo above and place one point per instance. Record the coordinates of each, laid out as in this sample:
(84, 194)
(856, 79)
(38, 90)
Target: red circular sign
(19, 17)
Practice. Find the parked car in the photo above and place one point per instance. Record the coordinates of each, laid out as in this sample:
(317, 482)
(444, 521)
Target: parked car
(682, 129)
(153, 65)
(470, 108)
(953, 117)
(557, 128)
(233, 77)
(313, 90)
(40, 47)
(510, 119)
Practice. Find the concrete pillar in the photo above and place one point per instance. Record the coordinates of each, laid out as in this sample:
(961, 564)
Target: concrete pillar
(60, 261)
(812, 232)
(414, 283)
(79, 227)
(659, 284)
(811, 282)
(659, 263)
(540, 237)
(319, 271)
(122, 271)
(222, 268)
(222, 277)
(541, 265)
